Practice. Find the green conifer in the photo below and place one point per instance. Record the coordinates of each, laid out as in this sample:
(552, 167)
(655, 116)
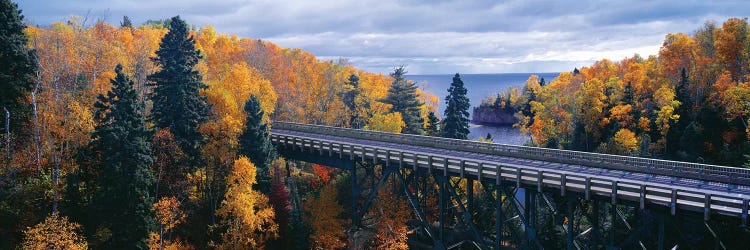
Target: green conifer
(456, 121)
(402, 95)
(123, 203)
(255, 143)
(17, 66)
(433, 125)
(176, 99)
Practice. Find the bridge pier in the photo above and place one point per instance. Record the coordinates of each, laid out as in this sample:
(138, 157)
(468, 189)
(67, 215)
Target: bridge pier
(355, 194)
(547, 217)
(570, 233)
(470, 195)
(529, 212)
(441, 208)
(499, 218)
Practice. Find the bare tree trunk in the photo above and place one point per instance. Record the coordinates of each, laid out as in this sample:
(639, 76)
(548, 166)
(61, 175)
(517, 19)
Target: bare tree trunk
(37, 139)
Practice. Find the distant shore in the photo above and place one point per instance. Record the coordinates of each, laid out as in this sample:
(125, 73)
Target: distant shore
(492, 116)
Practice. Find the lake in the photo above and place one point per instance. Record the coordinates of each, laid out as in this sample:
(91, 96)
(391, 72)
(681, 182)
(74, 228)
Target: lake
(479, 87)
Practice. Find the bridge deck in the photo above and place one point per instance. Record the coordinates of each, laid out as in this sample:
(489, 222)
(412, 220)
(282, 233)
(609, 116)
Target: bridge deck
(646, 188)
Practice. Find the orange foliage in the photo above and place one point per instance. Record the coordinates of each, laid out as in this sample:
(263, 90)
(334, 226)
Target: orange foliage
(245, 212)
(168, 216)
(323, 173)
(324, 217)
(391, 227)
(55, 232)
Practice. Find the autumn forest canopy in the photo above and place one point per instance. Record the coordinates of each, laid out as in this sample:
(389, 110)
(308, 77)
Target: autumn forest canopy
(691, 102)
(157, 135)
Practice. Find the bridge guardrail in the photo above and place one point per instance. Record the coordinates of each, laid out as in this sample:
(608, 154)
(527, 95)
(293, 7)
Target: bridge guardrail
(701, 172)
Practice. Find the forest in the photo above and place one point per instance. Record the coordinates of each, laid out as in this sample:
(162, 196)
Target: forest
(156, 136)
(691, 102)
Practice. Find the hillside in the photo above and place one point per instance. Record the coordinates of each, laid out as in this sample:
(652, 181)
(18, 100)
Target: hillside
(689, 103)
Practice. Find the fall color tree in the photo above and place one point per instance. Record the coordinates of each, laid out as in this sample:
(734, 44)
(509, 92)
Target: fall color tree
(686, 103)
(55, 232)
(170, 166)
(325, 220)
(391, 122)
(246, 216)
(279, 199)
(392, 212)
(168, 216)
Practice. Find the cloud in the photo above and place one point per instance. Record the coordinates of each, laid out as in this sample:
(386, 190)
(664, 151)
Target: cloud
(428, 36)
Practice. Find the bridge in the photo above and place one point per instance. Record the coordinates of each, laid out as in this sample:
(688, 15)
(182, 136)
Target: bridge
(542, 198)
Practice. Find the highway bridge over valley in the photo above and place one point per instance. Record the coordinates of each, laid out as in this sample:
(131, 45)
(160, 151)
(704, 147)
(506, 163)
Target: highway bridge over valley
(542, 198)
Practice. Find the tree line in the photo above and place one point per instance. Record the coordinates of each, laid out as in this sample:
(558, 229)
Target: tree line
(156, 136)
(688, 103)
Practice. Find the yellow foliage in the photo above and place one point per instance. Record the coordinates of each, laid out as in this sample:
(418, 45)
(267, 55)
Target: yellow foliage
(391, 225)
(246, 213)
(644, 124)
(168, 213)
(591, 102)
(324, 217)
(386, 123)
(55, 232)
(626, 139)
(155, 242)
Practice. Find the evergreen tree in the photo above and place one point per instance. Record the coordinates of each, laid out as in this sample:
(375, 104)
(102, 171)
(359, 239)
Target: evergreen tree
(177, 103)
(456, 121)
(299, 230)
(677, 133)
(682, 90)
(349, 97)
(17, 66)
(126, 23)
(402, 95)
(123, 203)
(433, 125)
(542, 82)
(255, 143)
(488, 137)
(627, 95)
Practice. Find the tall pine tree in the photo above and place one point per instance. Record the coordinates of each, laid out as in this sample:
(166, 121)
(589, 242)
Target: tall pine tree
(123, 203)
(402, 95)
(349, 97)
(17, 66)
(433, 125)
(456, 121)
(176, 99)
(255, 143)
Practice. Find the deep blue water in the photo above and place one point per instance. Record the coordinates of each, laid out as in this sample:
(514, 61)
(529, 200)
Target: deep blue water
(479, 87)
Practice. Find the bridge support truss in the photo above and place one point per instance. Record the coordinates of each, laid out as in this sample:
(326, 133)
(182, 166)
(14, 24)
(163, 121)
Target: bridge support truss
(512, 213)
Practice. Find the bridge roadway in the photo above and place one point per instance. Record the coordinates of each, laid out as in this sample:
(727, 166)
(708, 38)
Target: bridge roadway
(702, 188)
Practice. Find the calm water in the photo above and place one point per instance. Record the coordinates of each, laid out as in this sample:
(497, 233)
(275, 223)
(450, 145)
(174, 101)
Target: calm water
(481, 86)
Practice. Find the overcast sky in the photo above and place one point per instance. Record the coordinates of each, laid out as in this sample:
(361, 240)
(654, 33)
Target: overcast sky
(427, 36)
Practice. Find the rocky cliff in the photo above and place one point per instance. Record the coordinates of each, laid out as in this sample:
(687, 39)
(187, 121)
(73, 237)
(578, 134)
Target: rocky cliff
(493, 116)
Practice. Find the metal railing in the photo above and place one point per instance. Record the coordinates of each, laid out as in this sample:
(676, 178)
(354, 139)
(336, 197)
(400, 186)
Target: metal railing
(644, 193)
(700, 172)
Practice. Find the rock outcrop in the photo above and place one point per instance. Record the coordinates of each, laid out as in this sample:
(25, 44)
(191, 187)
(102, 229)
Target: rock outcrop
(490, 115)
